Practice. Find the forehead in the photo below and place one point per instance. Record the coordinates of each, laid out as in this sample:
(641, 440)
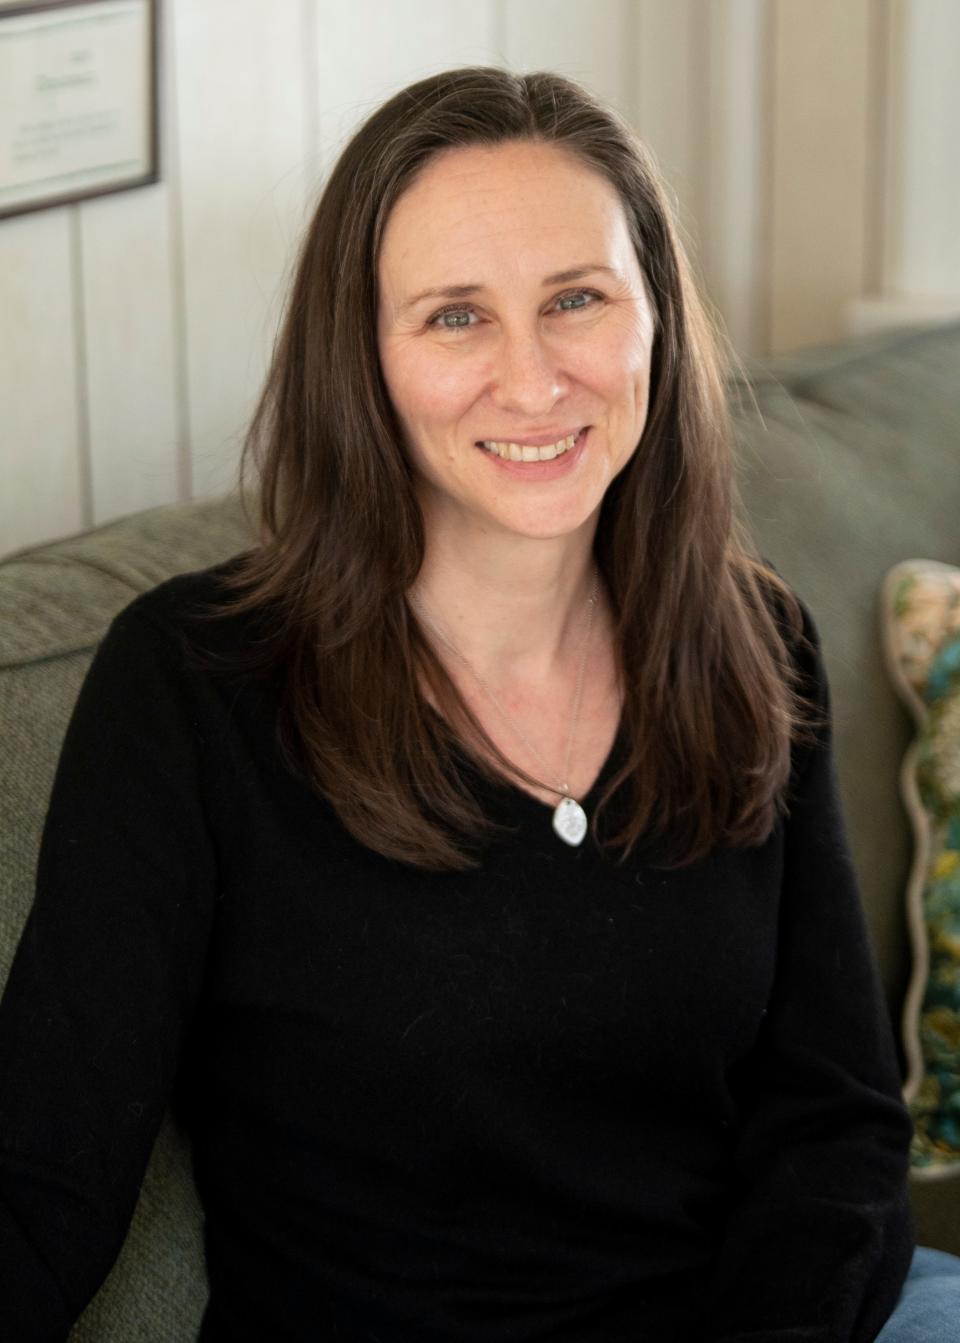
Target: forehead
(509, 207)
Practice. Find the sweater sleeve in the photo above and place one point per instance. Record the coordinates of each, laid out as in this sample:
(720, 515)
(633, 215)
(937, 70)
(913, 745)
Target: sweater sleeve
(105, 979)
(820, 1236)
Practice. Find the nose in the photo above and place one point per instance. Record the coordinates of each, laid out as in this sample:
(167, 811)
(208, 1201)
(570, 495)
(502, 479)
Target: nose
(527, 378)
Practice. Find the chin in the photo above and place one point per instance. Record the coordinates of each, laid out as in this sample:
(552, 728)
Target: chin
(550, 527)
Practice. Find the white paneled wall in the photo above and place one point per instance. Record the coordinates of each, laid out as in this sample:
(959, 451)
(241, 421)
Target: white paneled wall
(127, 350)
(919, 264)
(366, 51)
(240, 76)
(670, 95)
(585, 42)
(42, 442)
(135, 329)
(925, 247)
(731, 171)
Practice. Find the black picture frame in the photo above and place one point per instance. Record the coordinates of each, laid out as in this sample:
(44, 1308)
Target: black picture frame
(20, 199)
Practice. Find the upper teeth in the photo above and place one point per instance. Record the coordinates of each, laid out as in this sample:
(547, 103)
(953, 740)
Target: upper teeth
(516, 452)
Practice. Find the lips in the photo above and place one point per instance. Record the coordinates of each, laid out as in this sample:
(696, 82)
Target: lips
(515, 452)
(540, 440)
(532, 447)
(520, 461)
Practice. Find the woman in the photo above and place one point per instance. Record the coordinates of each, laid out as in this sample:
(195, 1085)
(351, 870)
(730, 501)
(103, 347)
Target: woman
(465, 862)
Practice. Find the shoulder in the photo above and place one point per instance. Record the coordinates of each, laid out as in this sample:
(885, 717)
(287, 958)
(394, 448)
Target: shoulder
(181, 641)
(795, 625)
(189, 611)
(796, 646)
(180, 598)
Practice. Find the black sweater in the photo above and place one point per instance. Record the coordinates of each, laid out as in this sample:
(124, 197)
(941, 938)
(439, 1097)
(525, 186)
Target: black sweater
(553, 1099)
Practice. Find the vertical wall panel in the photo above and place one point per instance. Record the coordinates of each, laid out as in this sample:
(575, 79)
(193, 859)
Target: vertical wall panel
(818, 189)
(881, 90)
(241, 150)
(913, 270)
(371, 48)
(128, 295)
(585, 42)
(729, 221)
(41, 482)
(671, 73)
(892, 129)
(928, 261)
(128, 332)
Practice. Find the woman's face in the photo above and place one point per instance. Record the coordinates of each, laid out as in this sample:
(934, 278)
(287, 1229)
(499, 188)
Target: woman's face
(513, 311)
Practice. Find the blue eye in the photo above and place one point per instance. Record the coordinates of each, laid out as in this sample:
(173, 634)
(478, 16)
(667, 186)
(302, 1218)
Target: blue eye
(458, 319)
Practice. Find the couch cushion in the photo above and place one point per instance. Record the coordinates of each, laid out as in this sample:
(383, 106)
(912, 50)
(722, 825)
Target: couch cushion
(55, 604)
(59, 598)
(850, 465)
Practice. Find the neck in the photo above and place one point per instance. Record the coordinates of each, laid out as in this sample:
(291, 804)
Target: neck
(512, 607)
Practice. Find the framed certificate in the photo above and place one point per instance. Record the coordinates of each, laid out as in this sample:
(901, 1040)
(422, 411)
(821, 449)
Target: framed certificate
(78, 100)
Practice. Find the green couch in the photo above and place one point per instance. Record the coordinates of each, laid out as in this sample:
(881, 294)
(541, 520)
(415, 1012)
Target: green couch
(851, 464)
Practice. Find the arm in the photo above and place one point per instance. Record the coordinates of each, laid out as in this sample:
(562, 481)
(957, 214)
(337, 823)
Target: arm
(104, 982)
(820, 1237)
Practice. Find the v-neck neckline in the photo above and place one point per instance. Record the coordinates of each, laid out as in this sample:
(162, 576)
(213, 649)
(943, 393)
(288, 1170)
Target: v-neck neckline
(505, 787)
(585, 799)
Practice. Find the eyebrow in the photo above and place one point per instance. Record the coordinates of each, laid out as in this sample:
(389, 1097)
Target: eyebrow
(465, 290)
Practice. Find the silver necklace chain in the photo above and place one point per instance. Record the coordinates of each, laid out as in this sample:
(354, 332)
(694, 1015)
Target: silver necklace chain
(563, 785)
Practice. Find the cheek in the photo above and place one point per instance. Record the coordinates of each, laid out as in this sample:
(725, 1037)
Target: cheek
(635, 375)
(432, 393)
(616, 362)
(451, 385)
(622, 382)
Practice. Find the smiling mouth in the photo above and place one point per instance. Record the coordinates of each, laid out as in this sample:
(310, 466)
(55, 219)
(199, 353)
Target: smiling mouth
(524, 452)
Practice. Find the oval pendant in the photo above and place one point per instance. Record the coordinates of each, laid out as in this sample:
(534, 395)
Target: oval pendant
(570, 821)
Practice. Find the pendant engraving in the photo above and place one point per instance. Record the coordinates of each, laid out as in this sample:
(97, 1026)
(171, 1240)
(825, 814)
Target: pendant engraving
(570, 821)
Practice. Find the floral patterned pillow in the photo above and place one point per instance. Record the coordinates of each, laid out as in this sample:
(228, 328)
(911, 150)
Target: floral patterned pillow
(921, 622)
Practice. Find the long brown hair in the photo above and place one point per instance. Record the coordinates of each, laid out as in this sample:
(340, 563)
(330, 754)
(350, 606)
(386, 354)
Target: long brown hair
(703, 629)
